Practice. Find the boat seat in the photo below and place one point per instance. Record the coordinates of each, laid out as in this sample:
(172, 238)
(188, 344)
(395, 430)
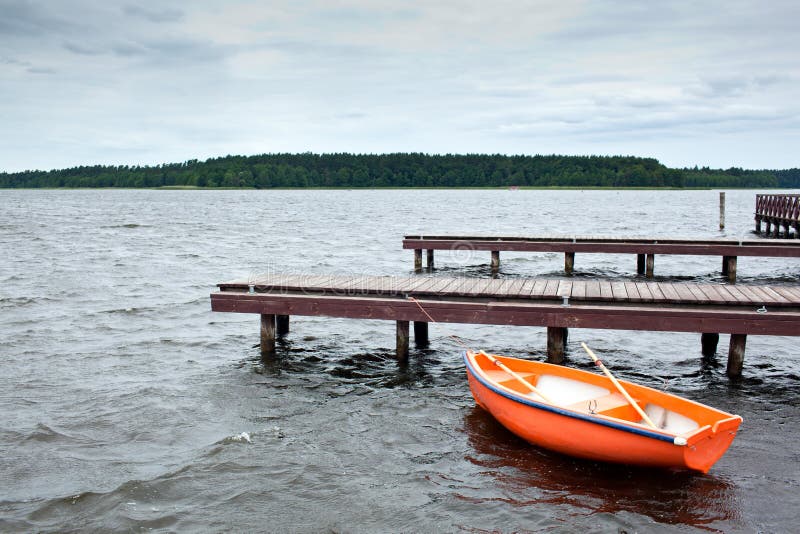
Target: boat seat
(668, 420)
(501, 377)
(611, 405)
(566, 391)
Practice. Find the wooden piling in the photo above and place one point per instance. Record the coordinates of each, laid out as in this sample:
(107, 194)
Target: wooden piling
(417, 259)
(556, 344)
(430, 258)
(267, 334)
(736, 355)
(421, 333)
(708, 342)
(729, 268)
(650, 264)
(569, 262)
(722, 210)
(402, 341)
(640, 263)
(495, 261)
(282, 325)
(758, 224)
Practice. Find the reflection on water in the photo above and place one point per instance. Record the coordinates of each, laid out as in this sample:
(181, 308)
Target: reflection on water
(527, 475)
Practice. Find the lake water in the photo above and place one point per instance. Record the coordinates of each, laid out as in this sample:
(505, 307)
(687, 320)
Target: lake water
(128, 405)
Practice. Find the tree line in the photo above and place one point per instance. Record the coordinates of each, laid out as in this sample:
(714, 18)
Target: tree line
(403, 170)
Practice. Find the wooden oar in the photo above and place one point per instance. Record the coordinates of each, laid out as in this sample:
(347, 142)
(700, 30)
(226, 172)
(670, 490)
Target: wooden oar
(527, 384)
(621, 389)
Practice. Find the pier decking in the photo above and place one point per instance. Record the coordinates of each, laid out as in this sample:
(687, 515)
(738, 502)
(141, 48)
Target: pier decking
(556, 304)
(645, 248)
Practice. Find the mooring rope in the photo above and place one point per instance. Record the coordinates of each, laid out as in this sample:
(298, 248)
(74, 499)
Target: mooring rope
(434, 321)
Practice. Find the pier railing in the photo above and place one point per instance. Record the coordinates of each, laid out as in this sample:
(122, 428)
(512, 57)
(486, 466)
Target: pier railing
(780, 213)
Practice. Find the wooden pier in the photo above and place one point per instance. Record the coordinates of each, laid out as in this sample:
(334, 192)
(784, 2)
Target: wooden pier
(645, 248)
(555, 304)
(780, 214)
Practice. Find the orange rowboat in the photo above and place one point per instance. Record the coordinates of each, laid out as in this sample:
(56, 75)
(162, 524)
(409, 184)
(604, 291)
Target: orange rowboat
(585, 415)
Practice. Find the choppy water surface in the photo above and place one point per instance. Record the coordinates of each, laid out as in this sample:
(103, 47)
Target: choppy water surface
(128, 405)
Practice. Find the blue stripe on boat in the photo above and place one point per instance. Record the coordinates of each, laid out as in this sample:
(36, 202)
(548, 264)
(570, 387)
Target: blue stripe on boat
(560, 411)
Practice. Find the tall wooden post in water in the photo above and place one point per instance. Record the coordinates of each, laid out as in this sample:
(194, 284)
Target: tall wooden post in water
(402, 341)
(495, 261)
(556, 344)
(736, 355)
(722, 210)
(268, 334)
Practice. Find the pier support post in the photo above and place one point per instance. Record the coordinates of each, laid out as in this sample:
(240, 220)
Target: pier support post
(708, 342)
(640, 264)
(417, 259)
(722, 210)
(729, 268)
(267, 334)
(495, 261)
(569, 262)
(430, 259)
(651, 260)
(421, 333)
(282, 324)
(736, 355)
(758, 224)
(556, 342)
(402, 341)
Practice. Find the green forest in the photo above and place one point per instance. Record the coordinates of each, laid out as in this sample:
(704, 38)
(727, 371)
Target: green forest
(403, 170)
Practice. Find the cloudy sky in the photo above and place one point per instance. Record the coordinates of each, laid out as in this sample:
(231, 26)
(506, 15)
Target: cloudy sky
(712, 83)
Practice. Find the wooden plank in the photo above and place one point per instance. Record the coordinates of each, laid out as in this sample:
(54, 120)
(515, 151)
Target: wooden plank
(697, 292)
(752, 297)
(564, 288)
(593, 290)
(795, 291)
(515, 288)
(787, 294)
(778, 298)
(579, 290)
(765, 297)
(606, 293)
(670, 292)
(633, 292)
(551, 290)
(684, 294)
(736, 296)
(712, 294)
(491, 287)
(644, 292)
(526, 289)
(423, 287)
(501, 288)
(736, 320)
(655, 292)
(539, 288)
(619, 291)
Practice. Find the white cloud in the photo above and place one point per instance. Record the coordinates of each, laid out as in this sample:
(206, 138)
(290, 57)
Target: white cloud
(135, 81)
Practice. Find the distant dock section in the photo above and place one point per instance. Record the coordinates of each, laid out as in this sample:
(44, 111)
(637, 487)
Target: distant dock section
(780, 215)
(558, 305)
(645, 248)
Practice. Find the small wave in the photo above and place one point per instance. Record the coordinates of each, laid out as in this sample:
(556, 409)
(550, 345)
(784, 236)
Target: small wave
(127, 225)
(45, 434)
(21, 302)
(243, 437)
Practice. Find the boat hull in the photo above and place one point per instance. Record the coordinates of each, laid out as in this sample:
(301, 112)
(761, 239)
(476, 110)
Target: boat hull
(595, 436)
